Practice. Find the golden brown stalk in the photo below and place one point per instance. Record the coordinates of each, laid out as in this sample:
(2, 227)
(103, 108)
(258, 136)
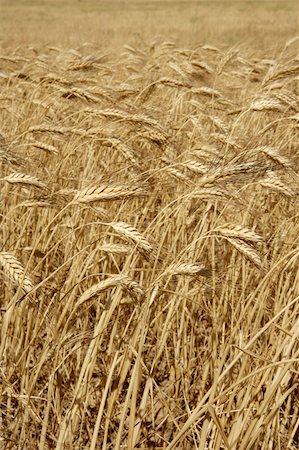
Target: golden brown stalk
(281, 73)
(274, 183)
(207, 91)
(266, 104)
(239, 232)
(115, 248)
(97, 288)
(188, 269)
(132, 235)
(23, 178)
(15, 271)
(226, 58)
(247, 251)
(108, 192)
(225, 172)
(196, 166)
(209, 193)
(219, 123)
(49, 129)
(129, 285)
(172, 83)
(47, 147)
(274, 155)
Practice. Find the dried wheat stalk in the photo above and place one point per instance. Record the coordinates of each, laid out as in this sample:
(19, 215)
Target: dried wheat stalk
(129, 285)
(247, 251)
(107, 192)
(49, 129)
(15, 271)
(47, 147)
(266, 104)
(196, 166)
(273, 182)
(239, 232)
(206, 90)
(209, 193)
(274, 155)
(283, 72)
(97, 288)
(115, 248)
(132, 235)
(23, 178)
(188, 269)
(225, 172)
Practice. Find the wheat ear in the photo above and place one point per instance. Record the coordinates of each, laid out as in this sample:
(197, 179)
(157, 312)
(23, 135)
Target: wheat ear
(15, 271)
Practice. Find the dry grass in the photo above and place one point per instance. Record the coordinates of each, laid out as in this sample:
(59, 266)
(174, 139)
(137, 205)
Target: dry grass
(149, 247)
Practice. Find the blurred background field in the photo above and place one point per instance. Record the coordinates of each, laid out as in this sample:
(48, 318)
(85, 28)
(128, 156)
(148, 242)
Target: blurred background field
(109, 23)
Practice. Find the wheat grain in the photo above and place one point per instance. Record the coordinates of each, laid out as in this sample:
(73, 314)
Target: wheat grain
(113, 281)
(132, 235)
(247, 251)
(23, 178)
(115, 248)
(196, 166)
(207, 91)
(108, 192)
(47, 147)
(129, 285)
(173, 83)
(273, 153)
(189, 269)
(211, 193)
(266, 104)
(274, 183)
(239, 232)
(281, 73)
(229, 171)
(14, 270)
(49, 129)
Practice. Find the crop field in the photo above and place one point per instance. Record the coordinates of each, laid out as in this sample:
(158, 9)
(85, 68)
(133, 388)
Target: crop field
(149, 259)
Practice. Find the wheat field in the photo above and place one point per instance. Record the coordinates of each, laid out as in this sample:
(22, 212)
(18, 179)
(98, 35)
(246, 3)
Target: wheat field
(149, 245)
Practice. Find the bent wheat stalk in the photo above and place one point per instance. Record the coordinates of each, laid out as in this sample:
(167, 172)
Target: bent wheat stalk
(106, 192)
(129, 285)
(15, 271)
(247, 251)
(132, 235)
(239, 232)
(23, 178)
(188, 269)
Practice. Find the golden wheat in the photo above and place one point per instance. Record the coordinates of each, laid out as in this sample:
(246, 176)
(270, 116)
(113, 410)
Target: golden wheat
(14, 270)
(151, 194)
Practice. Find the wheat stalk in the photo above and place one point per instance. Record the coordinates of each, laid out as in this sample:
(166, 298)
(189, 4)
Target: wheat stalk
(239, 232)
(247, 251)
(273, 182)
(23, 178)
(274, 155)
(223, 173)
(115, 248)
(196, 166)
(266, 104)
(49, 129)
(209, 193)
(206, 90)
(15, 271)
(107, 192)
(129, 285)
(132, 235)
(97, 288)
(188, 269)
(47, 147)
